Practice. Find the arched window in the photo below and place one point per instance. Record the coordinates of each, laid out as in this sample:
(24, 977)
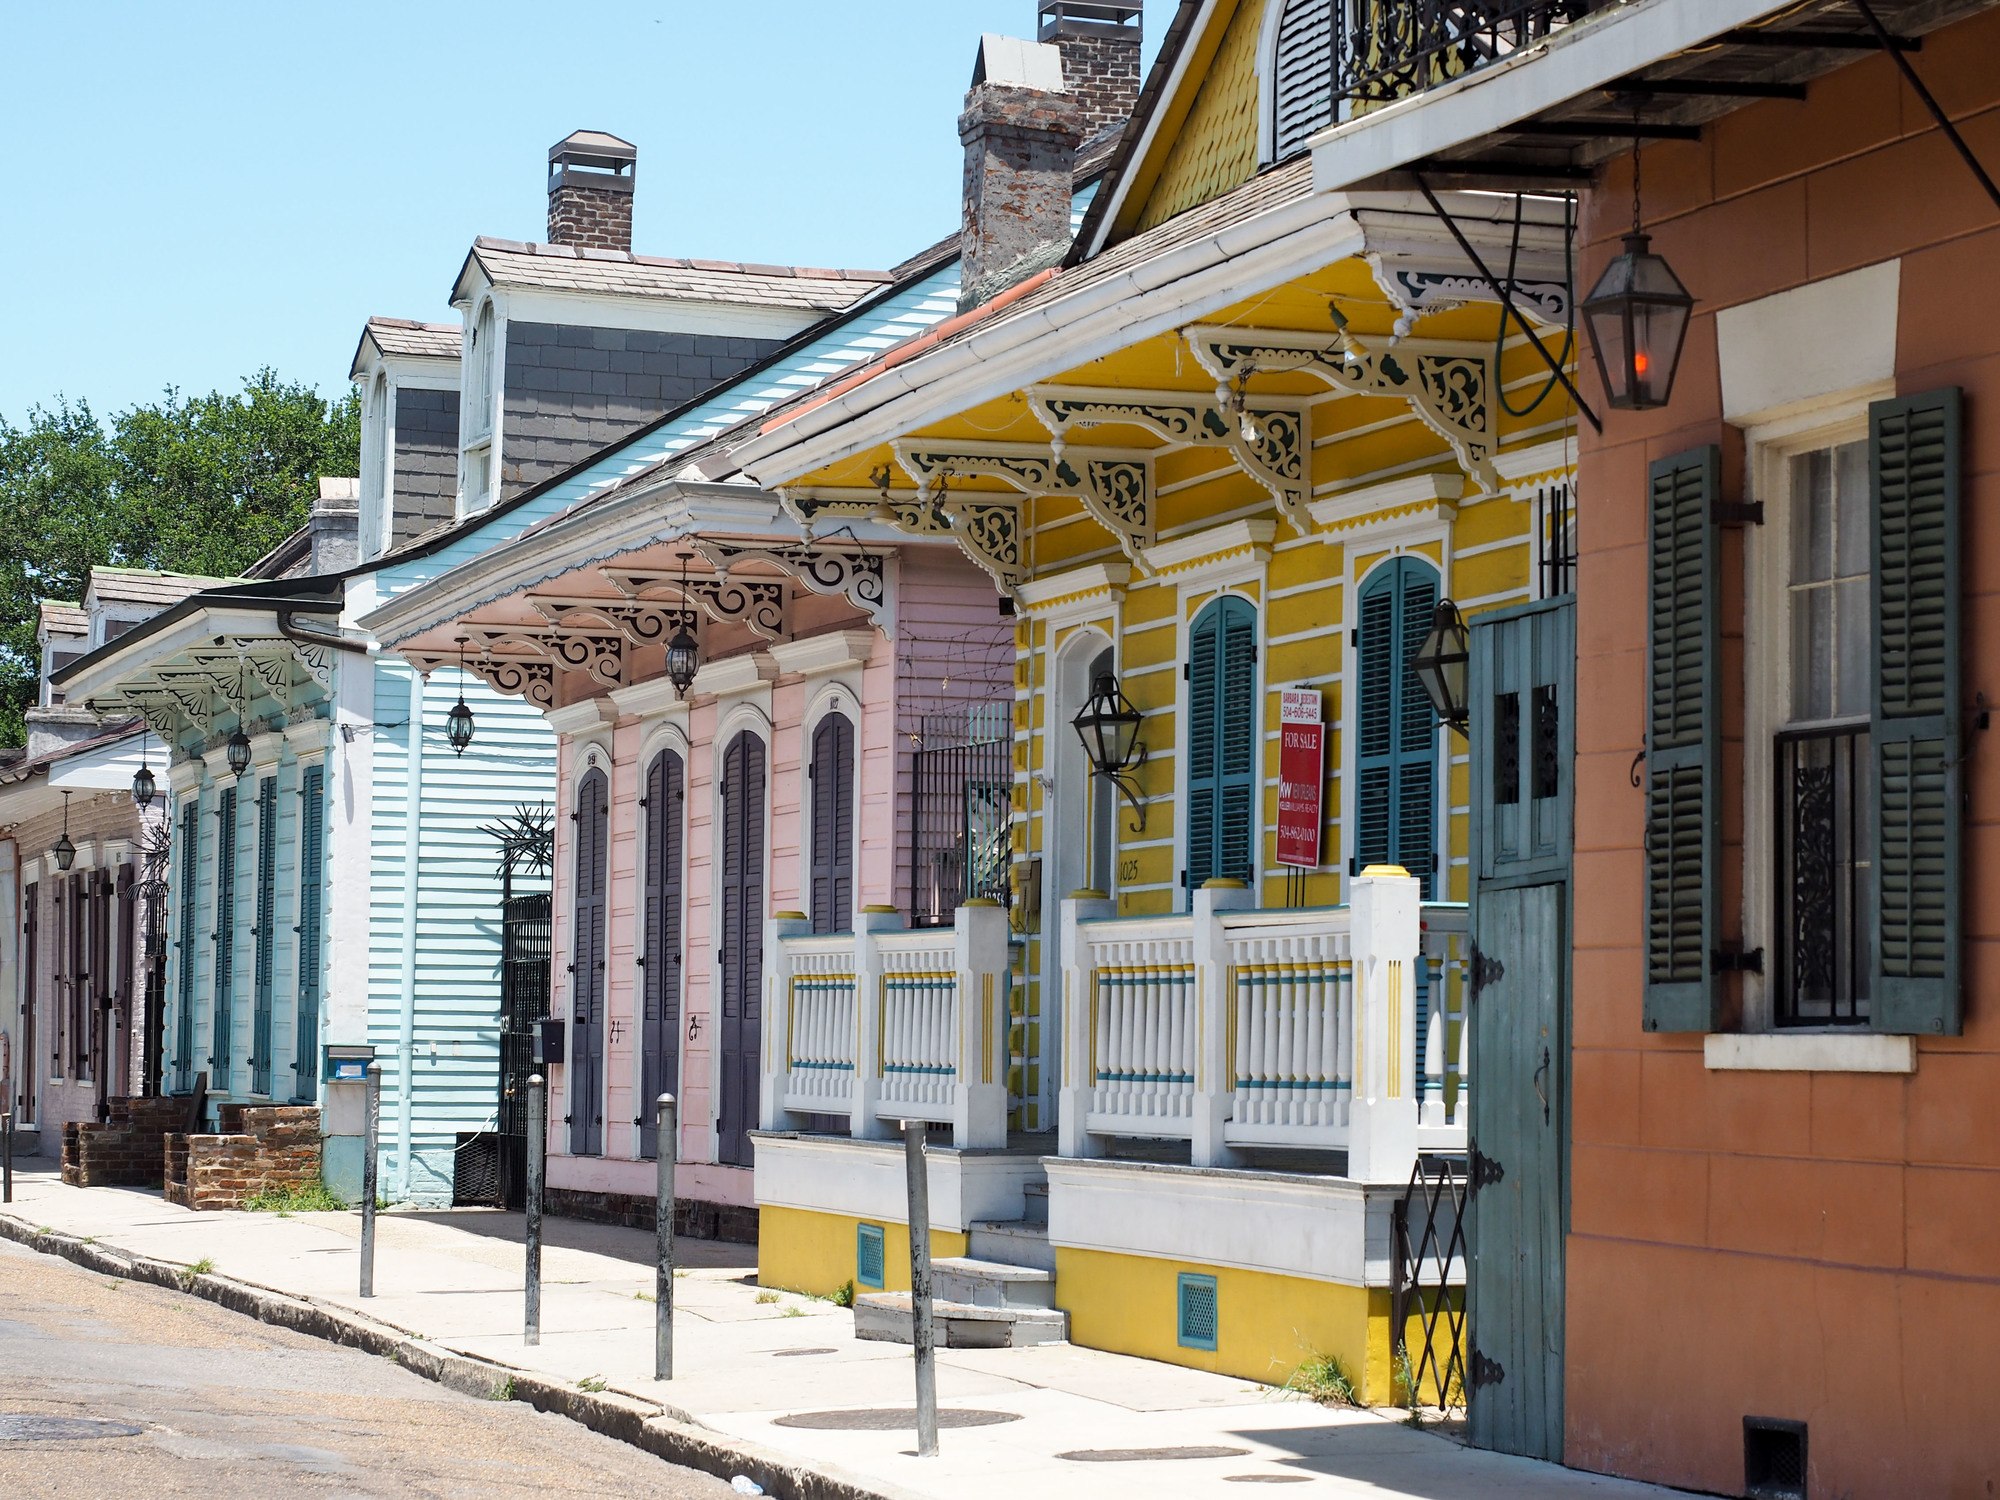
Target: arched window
(1223, 725)
(1303, 74)
(831, 771)
(1395, 806)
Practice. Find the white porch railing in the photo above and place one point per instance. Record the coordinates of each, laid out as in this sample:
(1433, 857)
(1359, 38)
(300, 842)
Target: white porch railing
(1333, 1028)
(887, 1024)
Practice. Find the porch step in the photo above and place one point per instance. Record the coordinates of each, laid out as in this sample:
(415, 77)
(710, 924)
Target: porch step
(885, 1318)
(1012, 1242)
(1036, 1196)
(992, 1283)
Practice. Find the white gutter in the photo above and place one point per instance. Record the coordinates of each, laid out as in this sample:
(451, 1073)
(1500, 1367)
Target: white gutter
(413, 793)
(1582, 57)
(1147, 299)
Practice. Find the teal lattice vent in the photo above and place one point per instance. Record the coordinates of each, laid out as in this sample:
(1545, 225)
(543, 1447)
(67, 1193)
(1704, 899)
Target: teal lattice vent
(868, 1256)
(1195, 1317)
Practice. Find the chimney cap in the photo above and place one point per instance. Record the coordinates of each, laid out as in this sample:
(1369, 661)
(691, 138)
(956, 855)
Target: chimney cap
(594, 148)
(1104, 17)
(1013, 63)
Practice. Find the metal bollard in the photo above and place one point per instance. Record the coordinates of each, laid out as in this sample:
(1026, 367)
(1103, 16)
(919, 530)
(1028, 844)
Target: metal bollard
(538, 1131)
(371, 1140)
(663, 1230)
(920, 1287)
(7, 1157)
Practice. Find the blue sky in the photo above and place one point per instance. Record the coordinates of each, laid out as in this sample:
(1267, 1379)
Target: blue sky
(196, 190)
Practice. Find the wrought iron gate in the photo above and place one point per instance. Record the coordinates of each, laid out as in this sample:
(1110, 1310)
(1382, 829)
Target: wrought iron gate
(525, 950)
(1427, 1281)
(959, 830)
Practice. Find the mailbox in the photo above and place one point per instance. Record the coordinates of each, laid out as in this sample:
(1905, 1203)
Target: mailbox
(348, 1063)
(549, 1041)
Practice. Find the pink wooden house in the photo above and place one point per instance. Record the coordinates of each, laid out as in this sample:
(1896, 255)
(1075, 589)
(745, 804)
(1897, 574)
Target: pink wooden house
(839, 757)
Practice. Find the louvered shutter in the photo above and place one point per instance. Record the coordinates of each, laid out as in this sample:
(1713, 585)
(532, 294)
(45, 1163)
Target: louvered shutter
(1683, 744)
(312, 855)
(266, 918)
(190, 894)
(1303, 74)
(662, 972)
(1395, 809)
(1913, 444)
(222, 1015)
(1201, 789)
(586, 1064)
(832, 853)
(1222, 743)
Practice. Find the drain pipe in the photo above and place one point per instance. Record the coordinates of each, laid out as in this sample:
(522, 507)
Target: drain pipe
(413, 796)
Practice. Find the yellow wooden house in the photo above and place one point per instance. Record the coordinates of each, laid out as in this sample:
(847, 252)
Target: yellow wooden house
(1233, 452)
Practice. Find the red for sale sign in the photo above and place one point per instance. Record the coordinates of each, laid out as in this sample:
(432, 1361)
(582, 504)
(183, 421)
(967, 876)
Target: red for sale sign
(1301, 777)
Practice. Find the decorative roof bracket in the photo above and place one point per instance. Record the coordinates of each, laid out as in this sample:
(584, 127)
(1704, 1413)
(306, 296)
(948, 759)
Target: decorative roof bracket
(858, 575)
(755, 603)
(1114, 485)
(1447, 385)
(644, 623)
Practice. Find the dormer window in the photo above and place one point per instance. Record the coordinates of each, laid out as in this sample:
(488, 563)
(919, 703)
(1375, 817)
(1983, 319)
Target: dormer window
(1300, 76)
(375, 481)
(482, 362)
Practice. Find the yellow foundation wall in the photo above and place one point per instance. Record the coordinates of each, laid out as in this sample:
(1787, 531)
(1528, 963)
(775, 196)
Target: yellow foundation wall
(800, 1250)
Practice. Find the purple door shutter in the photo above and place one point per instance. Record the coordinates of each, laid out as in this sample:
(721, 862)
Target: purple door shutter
(660, 957)
(832, 854)
(740, 937)
(586, 1058)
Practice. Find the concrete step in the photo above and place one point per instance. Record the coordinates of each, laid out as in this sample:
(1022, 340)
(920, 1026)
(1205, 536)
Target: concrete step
(885, 1318)
(1036, 1195)
(992, 1283)
(1012, 1242)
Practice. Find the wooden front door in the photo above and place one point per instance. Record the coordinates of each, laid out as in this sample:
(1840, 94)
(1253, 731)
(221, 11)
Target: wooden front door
(587, 937)
(740, 944)
(1521, 698)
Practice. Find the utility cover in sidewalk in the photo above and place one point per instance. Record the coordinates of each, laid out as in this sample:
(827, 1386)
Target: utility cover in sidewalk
(1142, 1455)
(30, 1427)
(892, 1419)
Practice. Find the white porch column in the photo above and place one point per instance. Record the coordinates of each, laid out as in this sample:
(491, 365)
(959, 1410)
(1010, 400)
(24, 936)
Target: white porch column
(979, 1104)
(1382, 1130)
(775, 1045)
(1078, 1014)
(863, 1124)
(1214, 1068)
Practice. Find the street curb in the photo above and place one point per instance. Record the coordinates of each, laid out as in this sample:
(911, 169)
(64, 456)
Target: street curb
(664, 1432)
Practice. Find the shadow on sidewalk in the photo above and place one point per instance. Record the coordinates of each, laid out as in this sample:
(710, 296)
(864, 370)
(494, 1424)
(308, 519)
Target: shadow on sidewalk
(633, 1246)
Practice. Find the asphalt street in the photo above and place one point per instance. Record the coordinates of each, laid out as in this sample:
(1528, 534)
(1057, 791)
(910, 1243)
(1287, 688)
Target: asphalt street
(201, 1401)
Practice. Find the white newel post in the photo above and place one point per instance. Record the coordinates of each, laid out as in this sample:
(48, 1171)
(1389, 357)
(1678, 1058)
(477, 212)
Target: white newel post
(1078, 981)
(864, 1124)
(1382, 1130)
(979, 1104)
(1214, 1068)
(776, 1041)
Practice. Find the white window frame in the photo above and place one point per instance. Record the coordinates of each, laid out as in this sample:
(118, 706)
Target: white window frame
(1767, 683)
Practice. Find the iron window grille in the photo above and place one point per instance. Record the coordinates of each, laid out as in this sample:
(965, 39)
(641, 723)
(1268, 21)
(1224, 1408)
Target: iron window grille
(1825, 849)
(961, 816)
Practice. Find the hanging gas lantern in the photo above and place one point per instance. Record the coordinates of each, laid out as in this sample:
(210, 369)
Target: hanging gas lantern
(1440, 665)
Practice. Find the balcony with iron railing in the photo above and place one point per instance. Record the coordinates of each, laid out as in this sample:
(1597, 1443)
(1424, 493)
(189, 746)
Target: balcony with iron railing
(1388, 49)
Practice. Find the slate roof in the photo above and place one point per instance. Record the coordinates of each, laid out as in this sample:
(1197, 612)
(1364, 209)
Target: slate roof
(143, 586)
(59, 617)
(568, 268)
(406, 336)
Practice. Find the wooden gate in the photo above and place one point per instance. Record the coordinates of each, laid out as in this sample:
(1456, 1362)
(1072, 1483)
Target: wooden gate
(740, 945)
(1523, 752)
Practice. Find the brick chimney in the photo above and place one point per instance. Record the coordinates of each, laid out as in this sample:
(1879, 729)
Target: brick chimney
(334, 524)
(1021, 129)
(590, 191)
(1100, 43)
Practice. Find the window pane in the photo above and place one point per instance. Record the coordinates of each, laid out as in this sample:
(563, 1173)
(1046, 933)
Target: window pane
(1851, 479)
(1812, 517)
(1851, 618)
(1812, 653)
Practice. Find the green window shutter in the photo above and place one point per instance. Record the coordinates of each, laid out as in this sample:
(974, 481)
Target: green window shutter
(312, 855)
(1396, 797)
(1222, 743)
(1913, 451)
(1683, 744)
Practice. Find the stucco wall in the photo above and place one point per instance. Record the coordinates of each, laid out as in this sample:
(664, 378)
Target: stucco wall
(1815, 1246)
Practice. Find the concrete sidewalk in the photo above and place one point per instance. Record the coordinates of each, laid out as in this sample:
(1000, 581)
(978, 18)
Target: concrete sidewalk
(1061, 1421)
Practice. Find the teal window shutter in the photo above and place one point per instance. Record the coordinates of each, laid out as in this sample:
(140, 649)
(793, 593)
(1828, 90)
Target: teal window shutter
(222, 1019)
(1683, 744)
(312, 857)
(1395, 812)
(266, 933)
(185, 948)
(1223, 725)
(1913, 451)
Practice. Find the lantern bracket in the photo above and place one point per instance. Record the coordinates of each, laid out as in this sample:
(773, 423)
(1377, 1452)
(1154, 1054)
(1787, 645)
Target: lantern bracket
(1128, 788)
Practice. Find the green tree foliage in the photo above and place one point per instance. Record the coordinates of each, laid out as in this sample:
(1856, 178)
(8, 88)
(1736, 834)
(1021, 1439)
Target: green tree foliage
(203, 484)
